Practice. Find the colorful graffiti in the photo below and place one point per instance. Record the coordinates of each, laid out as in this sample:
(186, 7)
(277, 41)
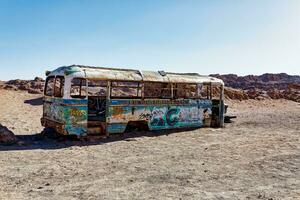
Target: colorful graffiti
(175, 116)
(77, 113)
(190, 114)
(71, 113)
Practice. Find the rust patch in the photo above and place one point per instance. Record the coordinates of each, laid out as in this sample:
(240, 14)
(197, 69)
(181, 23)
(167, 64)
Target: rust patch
(117, 110)
(76, 112)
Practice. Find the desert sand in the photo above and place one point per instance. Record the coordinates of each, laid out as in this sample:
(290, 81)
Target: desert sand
(256, 157)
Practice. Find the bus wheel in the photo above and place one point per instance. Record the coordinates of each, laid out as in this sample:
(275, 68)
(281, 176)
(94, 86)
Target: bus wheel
(50, 133)
(137, 126)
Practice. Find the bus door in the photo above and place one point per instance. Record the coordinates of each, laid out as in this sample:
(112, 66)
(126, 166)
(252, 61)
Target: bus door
(97, 96)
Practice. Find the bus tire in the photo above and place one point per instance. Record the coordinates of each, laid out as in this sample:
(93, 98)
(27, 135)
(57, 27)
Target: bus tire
(50, 133)
(137, 126)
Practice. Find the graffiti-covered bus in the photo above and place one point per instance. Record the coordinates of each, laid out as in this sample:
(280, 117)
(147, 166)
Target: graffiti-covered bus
(84, 100)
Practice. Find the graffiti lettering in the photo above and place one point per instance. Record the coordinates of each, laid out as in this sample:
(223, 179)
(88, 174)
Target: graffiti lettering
(158, 117)
(171, 116)
(145, 116)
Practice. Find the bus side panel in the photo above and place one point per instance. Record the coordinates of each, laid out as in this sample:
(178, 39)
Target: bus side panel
(188, 115)
(174, 117)
(120, 112)
(116, 127)
(75, 115)
(165, 116)
(71, 113)
(53, 110)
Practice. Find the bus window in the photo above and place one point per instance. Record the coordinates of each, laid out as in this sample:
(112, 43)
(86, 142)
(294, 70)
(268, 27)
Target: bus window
(185, 90)
(78, 88)
(157, 90)
(166, 91)
(49, 86)
(204, 91)
(59, 86)
(126, 89)
(97, 88)
(216, 91)
(152, 90)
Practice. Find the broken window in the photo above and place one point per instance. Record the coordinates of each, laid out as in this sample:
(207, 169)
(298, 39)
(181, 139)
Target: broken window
(126, 89)
(49, 86)
(78, 88)
(216, 91)
(152, 90)
(157, 90)
(59, 86)
(204, 91)
(97, 88)
(183, 90)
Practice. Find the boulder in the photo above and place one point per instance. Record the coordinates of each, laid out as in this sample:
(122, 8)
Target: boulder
(7, 136)
(38, 79)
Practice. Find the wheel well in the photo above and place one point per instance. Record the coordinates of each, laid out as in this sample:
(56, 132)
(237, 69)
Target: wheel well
(137, 125)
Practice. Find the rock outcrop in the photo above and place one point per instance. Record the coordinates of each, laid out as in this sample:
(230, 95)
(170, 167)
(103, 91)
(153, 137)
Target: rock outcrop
(265, 82)
(232, 93)
(274, 86)
(35, 86)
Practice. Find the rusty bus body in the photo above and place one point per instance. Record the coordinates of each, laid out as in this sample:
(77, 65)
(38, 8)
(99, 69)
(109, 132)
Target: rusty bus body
(82, 100)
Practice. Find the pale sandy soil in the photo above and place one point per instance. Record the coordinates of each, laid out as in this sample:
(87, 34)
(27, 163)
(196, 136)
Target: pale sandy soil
(257, 157)
(20, 111)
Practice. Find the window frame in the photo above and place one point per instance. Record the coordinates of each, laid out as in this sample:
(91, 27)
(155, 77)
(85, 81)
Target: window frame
(89, 85)
(61, 88)
(162, 88)
(184, 85)
(46, 86)
(206, 88)
(80, 96)
(139, 89)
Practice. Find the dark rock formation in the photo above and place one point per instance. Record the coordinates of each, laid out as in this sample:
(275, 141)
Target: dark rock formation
(273, 86)
(35, 86)
(6, 136)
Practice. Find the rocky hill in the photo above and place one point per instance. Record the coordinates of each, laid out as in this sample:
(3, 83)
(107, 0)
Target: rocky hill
(274, 86)
(35, 86)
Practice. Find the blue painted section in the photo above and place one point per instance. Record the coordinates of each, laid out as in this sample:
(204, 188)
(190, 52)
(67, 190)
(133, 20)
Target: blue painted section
(116, 128)
(75, 101)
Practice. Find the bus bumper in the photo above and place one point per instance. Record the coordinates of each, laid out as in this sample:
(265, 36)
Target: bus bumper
(59, 127)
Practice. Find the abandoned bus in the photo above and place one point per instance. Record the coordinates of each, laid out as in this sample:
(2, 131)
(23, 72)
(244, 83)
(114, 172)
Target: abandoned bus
(83, 100)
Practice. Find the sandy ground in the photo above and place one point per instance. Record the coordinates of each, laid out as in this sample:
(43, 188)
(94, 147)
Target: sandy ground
(256, 157)
(20, 111)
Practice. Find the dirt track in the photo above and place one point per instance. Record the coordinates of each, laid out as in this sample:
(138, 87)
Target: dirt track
(257, 157)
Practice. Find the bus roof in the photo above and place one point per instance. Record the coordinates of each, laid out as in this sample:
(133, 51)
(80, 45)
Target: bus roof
(103, 73)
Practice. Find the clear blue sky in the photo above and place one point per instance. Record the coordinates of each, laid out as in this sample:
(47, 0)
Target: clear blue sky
(204, 36)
